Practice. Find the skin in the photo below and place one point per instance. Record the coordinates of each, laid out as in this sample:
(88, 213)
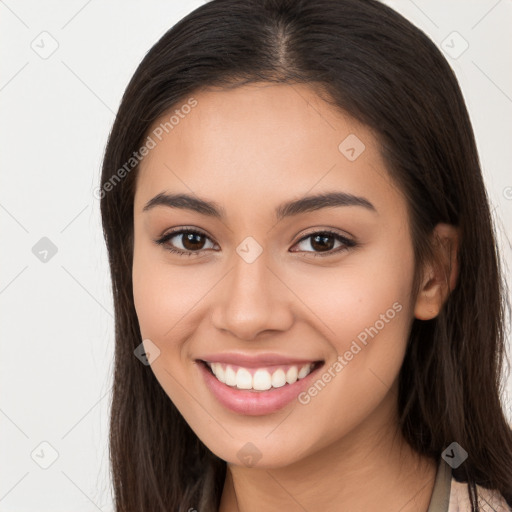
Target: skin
(249, 149)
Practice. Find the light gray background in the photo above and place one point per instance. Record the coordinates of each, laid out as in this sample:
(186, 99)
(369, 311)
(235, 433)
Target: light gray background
(56, 316)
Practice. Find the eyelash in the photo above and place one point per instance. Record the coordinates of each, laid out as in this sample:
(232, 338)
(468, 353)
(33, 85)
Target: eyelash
(348, 244)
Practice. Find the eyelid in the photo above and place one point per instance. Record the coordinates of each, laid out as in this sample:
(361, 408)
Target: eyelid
(332, 231)
(181, 229)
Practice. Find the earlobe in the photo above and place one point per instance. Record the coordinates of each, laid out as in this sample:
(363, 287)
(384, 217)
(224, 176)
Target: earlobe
(441, 276)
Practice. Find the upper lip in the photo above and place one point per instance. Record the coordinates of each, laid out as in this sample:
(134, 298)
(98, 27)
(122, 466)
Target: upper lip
(255, 360)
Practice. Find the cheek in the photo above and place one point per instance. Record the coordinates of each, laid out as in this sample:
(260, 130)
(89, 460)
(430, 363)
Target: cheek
(364, 310)
(154, 294)
(167, 297)
(148, 297)
(163, 303)
(365, 314)
(350, 298)
(159, 297)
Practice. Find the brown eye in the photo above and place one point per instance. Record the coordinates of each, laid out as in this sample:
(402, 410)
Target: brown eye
(191, 241)
(324, 242)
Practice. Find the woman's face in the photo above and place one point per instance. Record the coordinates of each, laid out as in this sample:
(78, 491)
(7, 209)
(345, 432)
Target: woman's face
(263, 279)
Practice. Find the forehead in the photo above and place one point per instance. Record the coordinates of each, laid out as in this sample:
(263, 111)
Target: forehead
(259, 143)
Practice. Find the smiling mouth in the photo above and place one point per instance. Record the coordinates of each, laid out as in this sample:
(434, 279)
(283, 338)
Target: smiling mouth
(260, 379)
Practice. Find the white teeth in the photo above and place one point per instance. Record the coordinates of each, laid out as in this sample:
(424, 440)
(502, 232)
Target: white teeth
(219, 371)
(278, 378)
(291, 375)
(230, 376)
(243, 379)
(262, 379)
(304, 371)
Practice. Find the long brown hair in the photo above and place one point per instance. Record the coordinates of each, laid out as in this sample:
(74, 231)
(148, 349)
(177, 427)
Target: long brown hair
(370, 62)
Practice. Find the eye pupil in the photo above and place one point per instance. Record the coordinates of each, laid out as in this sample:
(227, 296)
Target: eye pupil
(191, 237)
(322, 245)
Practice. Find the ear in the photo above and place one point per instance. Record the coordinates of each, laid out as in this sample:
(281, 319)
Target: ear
(441, 276)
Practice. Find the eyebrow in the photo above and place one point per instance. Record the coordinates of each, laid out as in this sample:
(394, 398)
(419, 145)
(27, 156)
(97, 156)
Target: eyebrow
(287, 209)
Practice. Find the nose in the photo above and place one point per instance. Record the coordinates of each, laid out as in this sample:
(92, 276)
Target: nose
(252, 299)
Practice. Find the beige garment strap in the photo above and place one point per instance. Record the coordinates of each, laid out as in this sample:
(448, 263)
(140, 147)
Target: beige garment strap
(440, 500)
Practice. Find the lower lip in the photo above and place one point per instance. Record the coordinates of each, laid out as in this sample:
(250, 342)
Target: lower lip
(254, 403)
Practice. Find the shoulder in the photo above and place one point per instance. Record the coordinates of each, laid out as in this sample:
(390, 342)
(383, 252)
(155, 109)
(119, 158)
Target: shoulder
(488, 500)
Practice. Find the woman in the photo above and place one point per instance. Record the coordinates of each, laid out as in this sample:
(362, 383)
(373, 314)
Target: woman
(309, 303)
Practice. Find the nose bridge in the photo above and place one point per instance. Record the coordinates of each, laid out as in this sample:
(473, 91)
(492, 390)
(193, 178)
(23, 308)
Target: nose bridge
(253, 299)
